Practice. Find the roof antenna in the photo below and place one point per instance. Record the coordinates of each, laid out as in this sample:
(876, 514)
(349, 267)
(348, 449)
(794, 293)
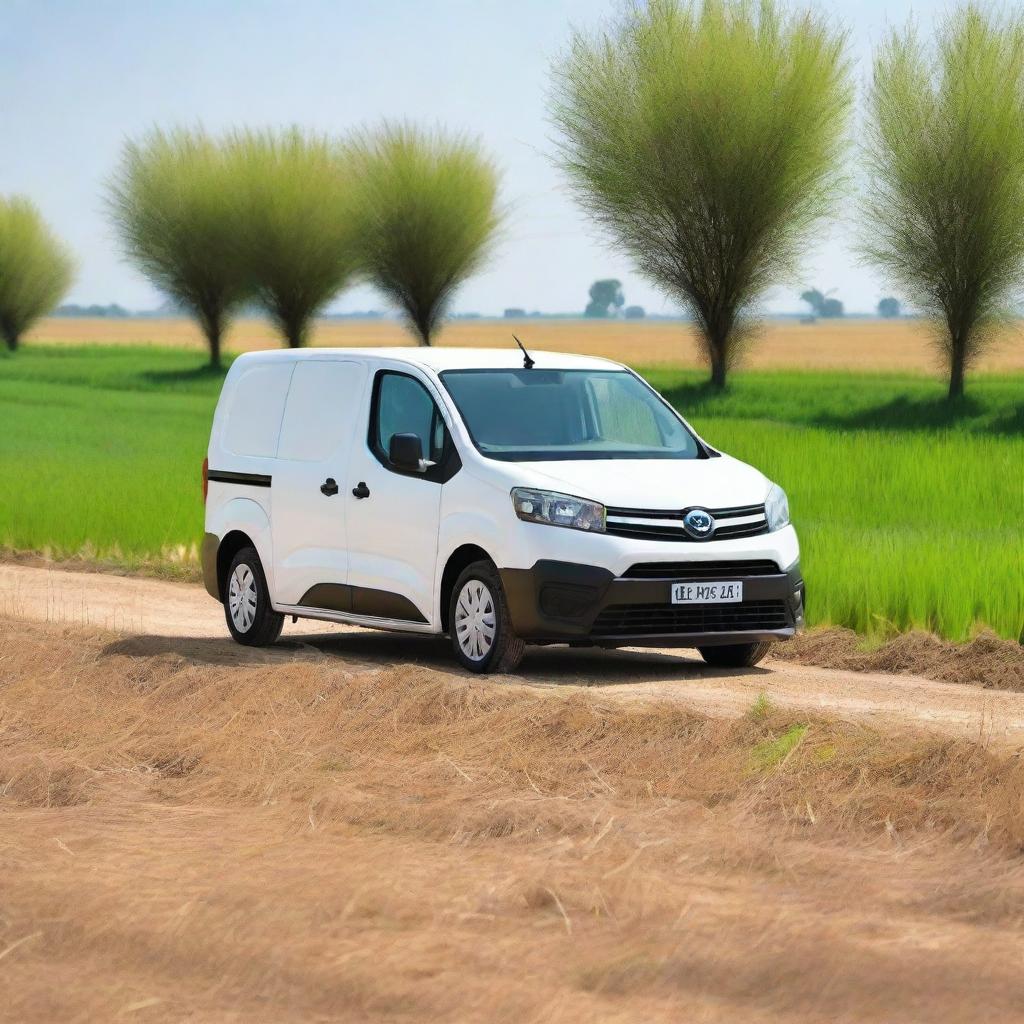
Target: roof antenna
(527, 361)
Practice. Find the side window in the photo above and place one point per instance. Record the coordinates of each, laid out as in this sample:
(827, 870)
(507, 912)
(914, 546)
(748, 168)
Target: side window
(254, 417)
(322, 409)
(404, 406)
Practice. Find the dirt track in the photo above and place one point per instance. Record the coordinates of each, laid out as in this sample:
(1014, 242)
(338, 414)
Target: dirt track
(344, 828)
(182, 618)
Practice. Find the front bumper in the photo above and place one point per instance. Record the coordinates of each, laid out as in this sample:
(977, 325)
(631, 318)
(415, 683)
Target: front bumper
(564, 602)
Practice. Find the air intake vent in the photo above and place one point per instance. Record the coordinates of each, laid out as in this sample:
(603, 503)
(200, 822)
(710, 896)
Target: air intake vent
(669, 620)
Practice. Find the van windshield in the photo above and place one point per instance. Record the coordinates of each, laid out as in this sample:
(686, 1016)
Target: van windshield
(546, 415)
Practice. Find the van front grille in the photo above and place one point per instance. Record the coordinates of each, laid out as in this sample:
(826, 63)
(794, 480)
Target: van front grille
(625, 620)
(700, 570)
(667, 524)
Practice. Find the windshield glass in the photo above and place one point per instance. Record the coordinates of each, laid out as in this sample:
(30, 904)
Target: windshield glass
(536, 415)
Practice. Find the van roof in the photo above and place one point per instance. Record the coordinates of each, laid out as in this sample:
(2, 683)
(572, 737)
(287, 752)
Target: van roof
(439, 359)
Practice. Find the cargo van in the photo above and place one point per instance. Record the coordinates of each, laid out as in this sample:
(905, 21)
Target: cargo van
(494, 498)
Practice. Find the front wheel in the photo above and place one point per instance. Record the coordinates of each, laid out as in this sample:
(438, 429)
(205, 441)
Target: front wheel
(735, 655)
(479, 622)
(247, 609)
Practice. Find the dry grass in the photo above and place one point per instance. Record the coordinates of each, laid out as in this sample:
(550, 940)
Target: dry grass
(299, 838)
(987, 660)
(849, 345)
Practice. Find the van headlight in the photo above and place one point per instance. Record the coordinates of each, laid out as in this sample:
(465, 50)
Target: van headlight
(776, 509)
(556, 509)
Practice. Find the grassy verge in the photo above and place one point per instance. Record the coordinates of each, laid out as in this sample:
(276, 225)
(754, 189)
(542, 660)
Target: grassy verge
(909, 512)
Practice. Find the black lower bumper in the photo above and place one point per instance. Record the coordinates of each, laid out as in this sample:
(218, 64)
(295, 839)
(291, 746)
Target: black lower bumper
(563, 602)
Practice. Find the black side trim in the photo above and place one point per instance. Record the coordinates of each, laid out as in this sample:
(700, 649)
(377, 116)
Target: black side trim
(246, 479)
(380, 604)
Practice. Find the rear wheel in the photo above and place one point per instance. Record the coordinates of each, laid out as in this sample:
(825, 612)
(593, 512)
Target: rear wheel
(247, 610)
(479, 622)
(735, 655)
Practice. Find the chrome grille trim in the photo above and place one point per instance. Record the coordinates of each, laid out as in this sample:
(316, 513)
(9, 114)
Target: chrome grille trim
(667, 524)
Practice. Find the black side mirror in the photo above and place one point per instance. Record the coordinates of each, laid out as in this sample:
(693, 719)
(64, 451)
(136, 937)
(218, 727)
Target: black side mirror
(406, 452)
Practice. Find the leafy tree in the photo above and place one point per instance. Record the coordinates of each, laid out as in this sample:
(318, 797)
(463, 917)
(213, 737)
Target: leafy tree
(821, 305)
(426, 216)
(945, 147)
(604, 296)
(889, 307)
(634, 313)
(295, 224)
(704, 137)
(175, 204)
(35, 268)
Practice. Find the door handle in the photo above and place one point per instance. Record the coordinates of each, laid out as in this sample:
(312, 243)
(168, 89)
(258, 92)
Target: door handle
(361, 490)
(329, 487)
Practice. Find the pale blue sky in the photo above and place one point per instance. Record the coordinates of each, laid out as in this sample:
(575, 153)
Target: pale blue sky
(78, 77)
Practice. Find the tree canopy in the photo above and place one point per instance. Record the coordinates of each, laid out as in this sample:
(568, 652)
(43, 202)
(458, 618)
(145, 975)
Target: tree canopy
(36, 268)
(175, 206)
(704, 137)
(426, 216)
(945, 149)
(295, 233)
(606, 298)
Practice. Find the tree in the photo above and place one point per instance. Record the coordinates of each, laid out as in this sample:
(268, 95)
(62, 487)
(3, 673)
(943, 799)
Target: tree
(295, 223)
(426, 217)
(604, 295)
(821, 305)
(175, 205)
(704, 138)
(945, 203)
(889, 307)
(35, 268)
(634, 313)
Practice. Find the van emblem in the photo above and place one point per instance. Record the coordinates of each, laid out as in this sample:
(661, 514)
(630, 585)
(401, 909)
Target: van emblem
(698, 523)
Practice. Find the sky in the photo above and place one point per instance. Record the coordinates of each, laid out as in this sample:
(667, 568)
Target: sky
(78, 77)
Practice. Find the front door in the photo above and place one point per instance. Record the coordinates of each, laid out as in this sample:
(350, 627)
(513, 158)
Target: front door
(393, 515)
(318, 433)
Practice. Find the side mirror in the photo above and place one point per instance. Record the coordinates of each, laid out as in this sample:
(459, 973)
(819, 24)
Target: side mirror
(406, 452)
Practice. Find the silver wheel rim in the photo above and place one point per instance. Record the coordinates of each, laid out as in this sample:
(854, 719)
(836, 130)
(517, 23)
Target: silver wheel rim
(475, 621)
(242, 598)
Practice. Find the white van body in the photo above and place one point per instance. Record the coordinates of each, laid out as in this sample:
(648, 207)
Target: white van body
(300, 470)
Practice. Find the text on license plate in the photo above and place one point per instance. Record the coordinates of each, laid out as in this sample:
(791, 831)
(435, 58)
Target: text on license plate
(707, 593)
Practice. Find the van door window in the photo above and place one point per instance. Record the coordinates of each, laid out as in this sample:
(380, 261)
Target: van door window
(404, 406)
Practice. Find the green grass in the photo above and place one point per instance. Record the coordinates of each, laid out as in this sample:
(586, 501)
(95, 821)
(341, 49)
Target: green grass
(909, 514)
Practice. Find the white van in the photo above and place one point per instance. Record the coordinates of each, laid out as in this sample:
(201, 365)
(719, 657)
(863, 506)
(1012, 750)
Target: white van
(491, 497)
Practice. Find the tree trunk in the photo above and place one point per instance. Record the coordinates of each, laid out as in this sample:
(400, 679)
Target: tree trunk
(956, 371)
(12, 341)
(718, 363)
(213, 340)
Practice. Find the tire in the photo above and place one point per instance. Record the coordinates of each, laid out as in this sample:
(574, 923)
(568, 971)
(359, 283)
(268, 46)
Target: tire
(479, 623)
(735, 655)
(251, 620)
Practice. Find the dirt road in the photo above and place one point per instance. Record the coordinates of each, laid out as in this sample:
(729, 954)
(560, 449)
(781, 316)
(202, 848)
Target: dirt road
(182, 617)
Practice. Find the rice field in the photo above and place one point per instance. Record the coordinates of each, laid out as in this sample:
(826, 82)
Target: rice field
(909, 515)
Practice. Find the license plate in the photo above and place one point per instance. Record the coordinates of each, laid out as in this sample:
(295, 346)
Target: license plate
(707, 593)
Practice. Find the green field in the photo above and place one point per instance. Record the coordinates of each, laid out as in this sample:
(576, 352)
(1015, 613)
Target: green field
(908, 514)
